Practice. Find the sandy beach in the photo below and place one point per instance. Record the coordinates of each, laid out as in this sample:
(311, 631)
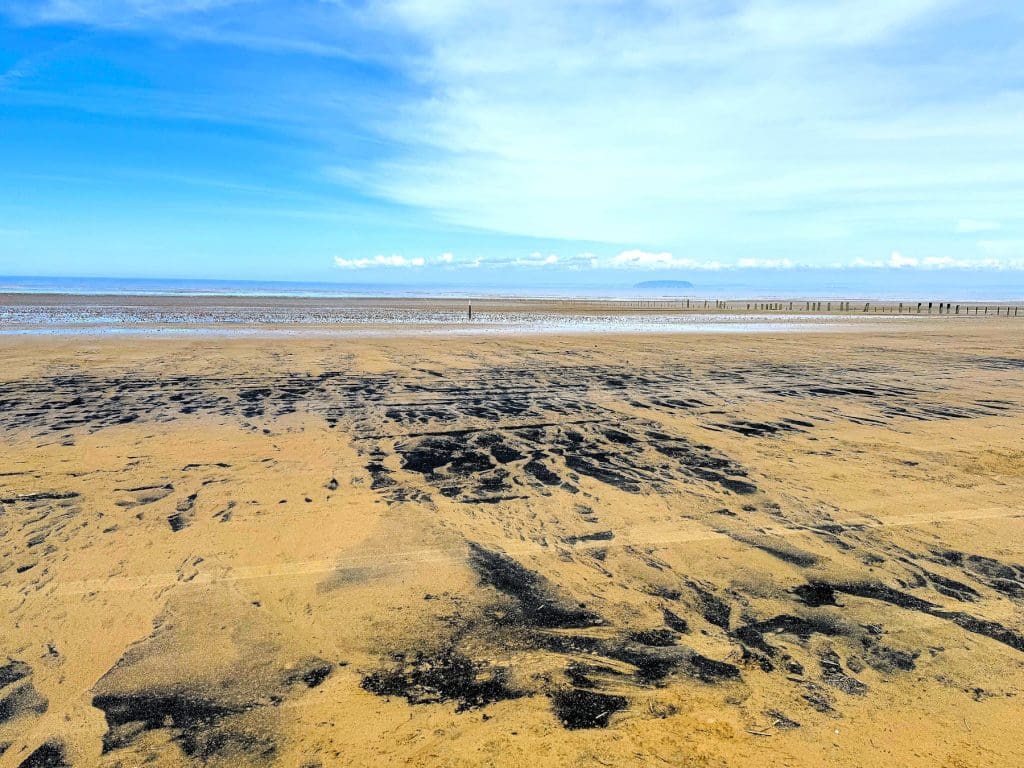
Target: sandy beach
(688, 549)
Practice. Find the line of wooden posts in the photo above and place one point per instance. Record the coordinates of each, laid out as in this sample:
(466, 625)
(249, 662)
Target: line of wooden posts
(718, 305)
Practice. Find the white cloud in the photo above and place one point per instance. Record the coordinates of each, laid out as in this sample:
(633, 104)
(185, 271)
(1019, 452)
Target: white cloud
(537, 260)
(446, 260)
(791, 122)
(638, 259)
(898, 260)
(765, 264)
(999, 255)
(798, 130)
(380, 260)
(644, 259)
(948, 262)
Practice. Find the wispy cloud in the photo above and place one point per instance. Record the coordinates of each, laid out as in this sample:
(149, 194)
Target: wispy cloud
(712, 135)
(765, 124)
(320, 28)
(898, 261)
(118, 13)
(672, 123)
(839, 23)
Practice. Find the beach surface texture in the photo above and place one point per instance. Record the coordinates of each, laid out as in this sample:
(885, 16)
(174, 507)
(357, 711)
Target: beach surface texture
(730, 549)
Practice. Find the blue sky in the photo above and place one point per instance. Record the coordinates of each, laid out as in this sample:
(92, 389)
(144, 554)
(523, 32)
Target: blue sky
(436, 140)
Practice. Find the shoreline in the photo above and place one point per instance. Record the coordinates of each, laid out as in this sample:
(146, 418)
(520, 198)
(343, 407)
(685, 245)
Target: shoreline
(74, 315)
(687, 303)
(549, 325)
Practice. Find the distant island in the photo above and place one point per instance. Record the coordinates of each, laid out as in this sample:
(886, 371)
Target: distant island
(665, 286)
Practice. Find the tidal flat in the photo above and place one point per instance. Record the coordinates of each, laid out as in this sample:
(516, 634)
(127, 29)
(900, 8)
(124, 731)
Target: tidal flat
(700, 549)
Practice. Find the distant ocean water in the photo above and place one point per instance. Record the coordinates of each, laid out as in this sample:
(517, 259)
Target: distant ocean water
(870, 284)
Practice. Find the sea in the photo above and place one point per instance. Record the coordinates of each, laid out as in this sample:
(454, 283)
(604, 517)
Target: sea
(738, 284)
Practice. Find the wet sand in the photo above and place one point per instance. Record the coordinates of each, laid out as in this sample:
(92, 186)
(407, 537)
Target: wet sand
(748, 549)
(49, 314)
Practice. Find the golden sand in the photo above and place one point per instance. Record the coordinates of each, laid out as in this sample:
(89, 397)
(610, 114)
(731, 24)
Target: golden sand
(691, 550)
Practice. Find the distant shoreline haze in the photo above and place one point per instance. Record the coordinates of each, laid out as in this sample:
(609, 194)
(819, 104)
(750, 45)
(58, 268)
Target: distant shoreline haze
(670, 287)
(867, 284)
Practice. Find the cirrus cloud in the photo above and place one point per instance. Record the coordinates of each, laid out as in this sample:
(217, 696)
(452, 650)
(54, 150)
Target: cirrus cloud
(802, 132)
